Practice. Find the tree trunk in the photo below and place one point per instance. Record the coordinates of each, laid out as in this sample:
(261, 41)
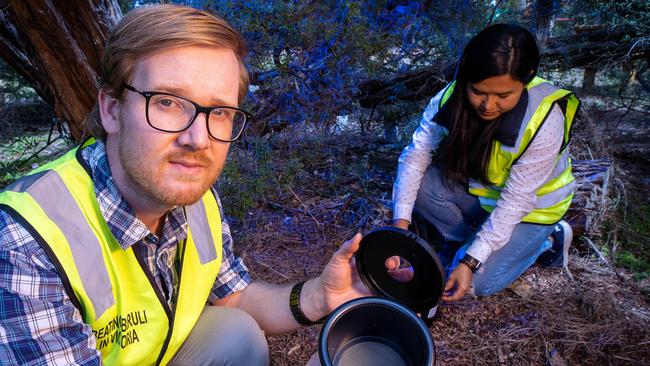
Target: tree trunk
(57, 46)
(543, 21)
(589, 79)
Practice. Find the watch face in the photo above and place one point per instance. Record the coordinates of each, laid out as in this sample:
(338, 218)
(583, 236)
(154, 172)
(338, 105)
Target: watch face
(419, 280)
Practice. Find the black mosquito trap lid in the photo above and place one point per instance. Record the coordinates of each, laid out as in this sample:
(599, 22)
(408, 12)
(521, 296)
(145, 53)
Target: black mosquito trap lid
(423, 290)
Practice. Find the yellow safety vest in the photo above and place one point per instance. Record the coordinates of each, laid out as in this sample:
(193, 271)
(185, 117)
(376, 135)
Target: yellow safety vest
(554, 196)
(115, 294)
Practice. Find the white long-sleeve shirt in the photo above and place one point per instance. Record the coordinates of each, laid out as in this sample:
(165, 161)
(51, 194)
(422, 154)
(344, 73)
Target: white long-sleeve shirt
(517, 198)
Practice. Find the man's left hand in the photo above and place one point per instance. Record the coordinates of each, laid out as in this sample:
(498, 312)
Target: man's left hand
(339, 282)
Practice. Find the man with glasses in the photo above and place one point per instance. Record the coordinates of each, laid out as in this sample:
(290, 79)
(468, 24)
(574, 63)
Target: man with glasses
(112, 253)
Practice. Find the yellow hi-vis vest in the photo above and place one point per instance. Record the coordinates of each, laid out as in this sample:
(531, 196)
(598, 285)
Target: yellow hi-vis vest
(112, 287)
(523, 122)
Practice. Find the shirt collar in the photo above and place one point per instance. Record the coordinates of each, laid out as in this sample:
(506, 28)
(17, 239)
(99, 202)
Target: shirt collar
(510, 122)
(119, 215)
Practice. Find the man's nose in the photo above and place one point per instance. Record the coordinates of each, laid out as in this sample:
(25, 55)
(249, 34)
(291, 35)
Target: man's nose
(196, 137)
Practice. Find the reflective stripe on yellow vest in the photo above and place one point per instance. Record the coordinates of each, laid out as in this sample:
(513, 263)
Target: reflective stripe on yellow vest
(115, 295)
(554, 196)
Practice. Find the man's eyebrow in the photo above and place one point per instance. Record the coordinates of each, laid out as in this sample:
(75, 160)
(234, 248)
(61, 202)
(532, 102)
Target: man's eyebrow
(181, 92)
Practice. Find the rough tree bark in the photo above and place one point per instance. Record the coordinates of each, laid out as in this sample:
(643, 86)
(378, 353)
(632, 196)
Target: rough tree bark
(589, 79)
(57, 45)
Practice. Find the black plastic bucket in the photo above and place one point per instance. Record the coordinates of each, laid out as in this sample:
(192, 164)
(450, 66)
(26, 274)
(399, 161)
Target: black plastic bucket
(375, 331)
(386, 330)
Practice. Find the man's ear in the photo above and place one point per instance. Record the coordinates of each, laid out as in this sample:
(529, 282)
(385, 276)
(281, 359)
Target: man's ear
(109, 111)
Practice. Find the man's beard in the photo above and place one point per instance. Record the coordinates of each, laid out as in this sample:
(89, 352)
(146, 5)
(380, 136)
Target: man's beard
(149, 183)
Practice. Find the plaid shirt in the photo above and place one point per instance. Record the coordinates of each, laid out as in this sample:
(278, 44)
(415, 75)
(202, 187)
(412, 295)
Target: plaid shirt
(38, 323)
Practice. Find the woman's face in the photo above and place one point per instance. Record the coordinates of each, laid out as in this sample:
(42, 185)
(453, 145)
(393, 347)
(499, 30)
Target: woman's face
(494, 96)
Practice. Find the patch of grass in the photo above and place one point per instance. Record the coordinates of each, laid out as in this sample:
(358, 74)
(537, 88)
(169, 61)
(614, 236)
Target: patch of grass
(253, 173)
(635, 263)
(13, 154)
(635, 240)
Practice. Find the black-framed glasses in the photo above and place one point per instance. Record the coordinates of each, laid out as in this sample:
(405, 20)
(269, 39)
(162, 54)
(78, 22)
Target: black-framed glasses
(172, 113)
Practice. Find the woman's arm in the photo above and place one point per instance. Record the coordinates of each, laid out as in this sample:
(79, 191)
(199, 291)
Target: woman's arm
(413, 162)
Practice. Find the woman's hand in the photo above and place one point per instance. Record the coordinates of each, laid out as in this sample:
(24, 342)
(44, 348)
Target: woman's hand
(458, 283)
(401, 223)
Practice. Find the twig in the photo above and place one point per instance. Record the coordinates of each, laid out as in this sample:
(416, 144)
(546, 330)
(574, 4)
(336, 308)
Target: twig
(345, 207)
(496, 6)
(303, 205)
(602, 257)
(272, 269)
(280, 207)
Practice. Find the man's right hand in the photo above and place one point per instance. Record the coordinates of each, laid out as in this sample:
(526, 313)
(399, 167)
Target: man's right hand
(393, 264)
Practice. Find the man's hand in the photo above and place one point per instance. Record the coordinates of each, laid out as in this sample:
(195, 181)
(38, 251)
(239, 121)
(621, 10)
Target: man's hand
(458, 283)
(398, 270)
(339, 282)
(393, 264)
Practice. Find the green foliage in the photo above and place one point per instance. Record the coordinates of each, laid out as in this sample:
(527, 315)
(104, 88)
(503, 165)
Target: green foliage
(12, 86)
(253, 173)
(628, 14)
(13, 154)
(634, 236)
(635, 263)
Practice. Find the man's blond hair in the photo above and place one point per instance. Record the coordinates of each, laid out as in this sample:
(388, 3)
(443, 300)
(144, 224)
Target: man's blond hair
(148, 30)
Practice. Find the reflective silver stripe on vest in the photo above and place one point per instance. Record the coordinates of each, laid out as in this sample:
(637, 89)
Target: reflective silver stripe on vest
(545, 201)
(25, 182)
(555, 197)
(535, 96)
(58, 204)
(561, 165)
(197, 219)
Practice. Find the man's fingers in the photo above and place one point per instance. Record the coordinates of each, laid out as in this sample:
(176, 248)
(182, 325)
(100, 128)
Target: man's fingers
(402, 274)
(392, 262)
(347, 250)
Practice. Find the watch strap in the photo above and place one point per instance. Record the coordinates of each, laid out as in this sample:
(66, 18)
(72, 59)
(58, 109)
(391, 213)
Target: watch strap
(294, 305)
(471, 262)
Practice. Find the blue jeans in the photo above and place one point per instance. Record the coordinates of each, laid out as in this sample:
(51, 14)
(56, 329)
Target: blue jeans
(457, 215)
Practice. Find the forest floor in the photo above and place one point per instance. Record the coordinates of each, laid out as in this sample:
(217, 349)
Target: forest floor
(294, 201)
(600, 316)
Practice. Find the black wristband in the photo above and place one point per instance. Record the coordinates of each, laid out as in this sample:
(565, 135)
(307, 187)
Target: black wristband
(471, 262)
(294, 305)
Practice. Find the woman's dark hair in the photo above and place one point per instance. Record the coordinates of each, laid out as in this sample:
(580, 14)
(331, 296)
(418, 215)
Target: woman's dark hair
(500, 49)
